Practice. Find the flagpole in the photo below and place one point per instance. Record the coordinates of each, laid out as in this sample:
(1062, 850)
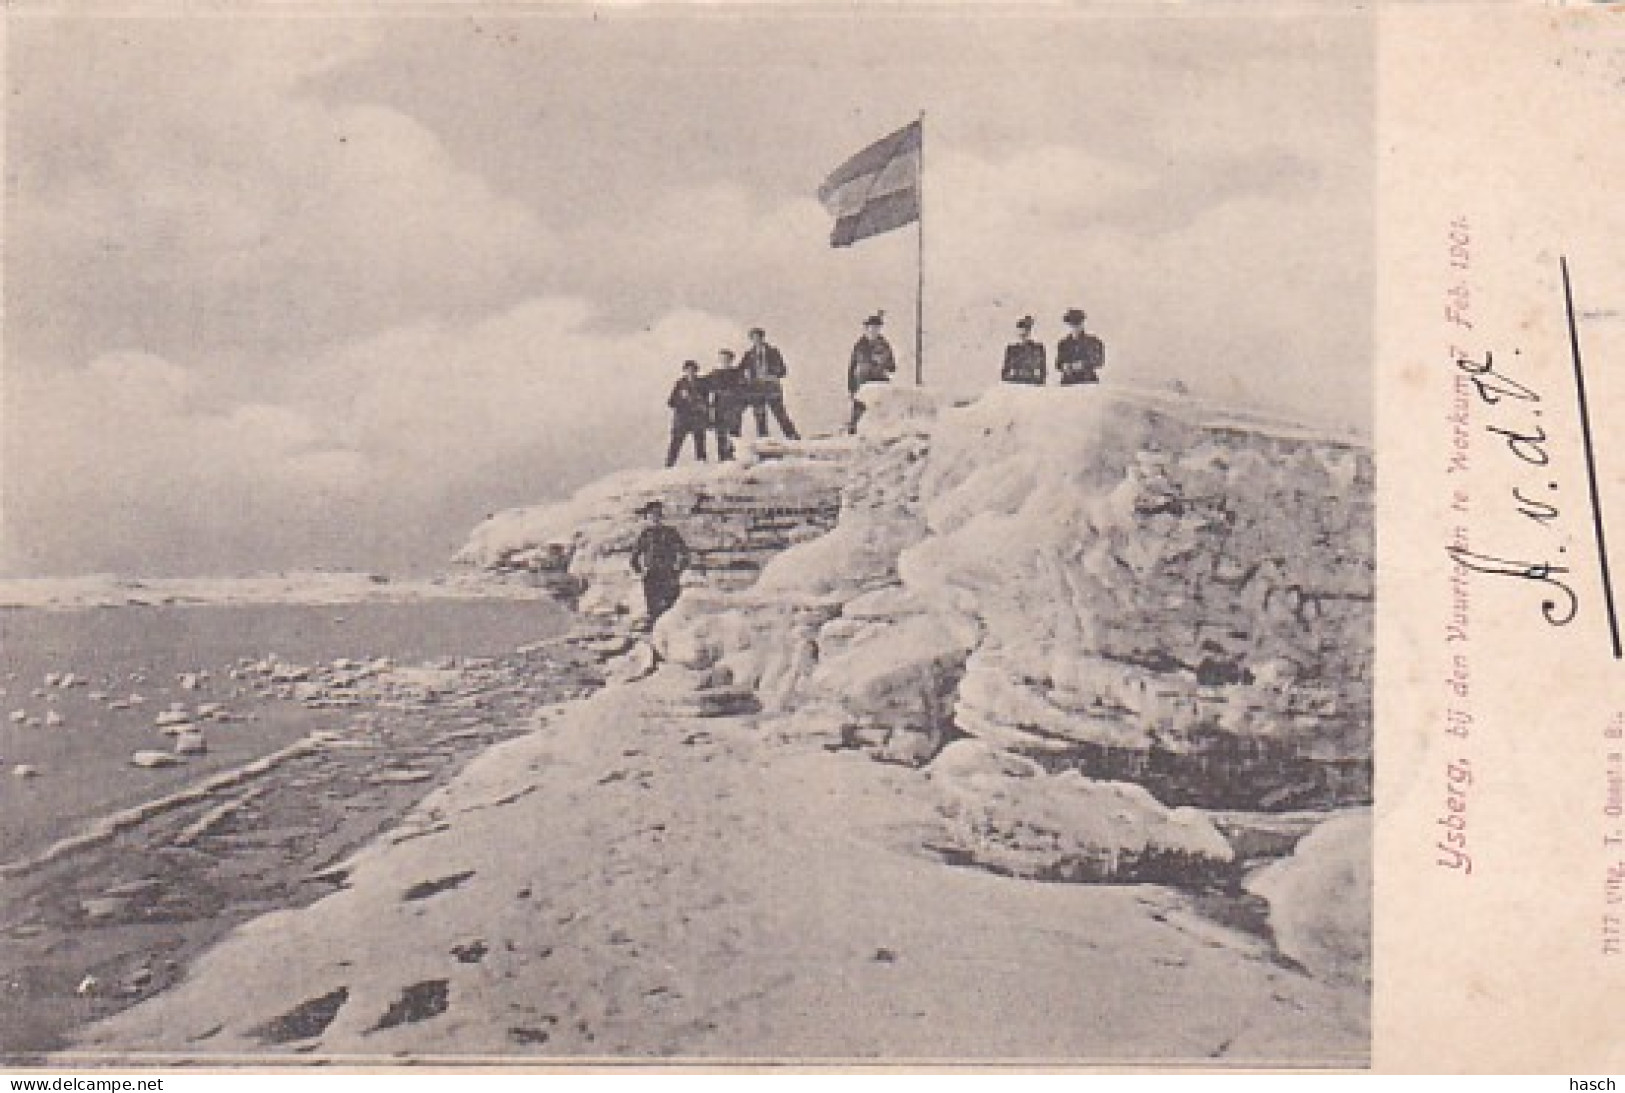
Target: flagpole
(919, 285)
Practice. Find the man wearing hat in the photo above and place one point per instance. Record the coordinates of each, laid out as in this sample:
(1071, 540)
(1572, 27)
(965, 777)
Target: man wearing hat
(763, 366)
(726, 386)
(659, 557)
(1080, 356)
(690, 413)
(1024, 358)
(872, 362)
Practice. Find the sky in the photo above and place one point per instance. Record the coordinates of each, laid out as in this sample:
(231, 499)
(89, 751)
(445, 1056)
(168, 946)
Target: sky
(313, 292)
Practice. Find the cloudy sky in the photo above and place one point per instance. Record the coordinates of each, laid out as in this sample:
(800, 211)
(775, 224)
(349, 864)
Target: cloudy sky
(324, 292)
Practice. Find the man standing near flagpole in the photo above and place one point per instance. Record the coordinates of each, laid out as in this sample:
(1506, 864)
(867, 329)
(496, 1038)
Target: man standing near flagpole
(872, 362)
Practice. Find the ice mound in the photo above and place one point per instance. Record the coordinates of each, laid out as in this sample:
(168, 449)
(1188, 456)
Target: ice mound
(733, 515)
(1006, 814)
(1319, 899)
(1161, 605)
(1141, 588)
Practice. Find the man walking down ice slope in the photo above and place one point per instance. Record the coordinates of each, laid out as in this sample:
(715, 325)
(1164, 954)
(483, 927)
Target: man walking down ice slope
(660, 556)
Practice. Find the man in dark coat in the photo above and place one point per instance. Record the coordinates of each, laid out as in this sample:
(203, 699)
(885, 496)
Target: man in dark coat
(764, 369)
(659, 557)
(725, 384)
(690, 413)
(872, 362)
(1024, 358)
(1080, 356)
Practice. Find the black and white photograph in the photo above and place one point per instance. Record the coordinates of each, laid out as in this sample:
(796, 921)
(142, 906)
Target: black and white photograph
(688, 535)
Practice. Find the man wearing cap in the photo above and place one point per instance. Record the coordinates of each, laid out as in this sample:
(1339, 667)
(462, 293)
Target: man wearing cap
(725, 385)
(1024, 358)
(1080, 356)
(659, 556)
(690, 413)
(872, 362)
(764, 370)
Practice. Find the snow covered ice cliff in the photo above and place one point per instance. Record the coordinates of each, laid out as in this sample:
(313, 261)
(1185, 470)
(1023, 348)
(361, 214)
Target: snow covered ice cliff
(1138, 587)
(1130, 635)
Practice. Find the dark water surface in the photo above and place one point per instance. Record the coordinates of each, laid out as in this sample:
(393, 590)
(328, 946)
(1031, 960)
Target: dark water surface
(83, 764)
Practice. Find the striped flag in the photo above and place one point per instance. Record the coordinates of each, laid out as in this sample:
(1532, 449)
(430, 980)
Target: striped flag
(876, 190)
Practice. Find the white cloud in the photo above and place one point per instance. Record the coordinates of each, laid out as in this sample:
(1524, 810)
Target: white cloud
(534, 392)
(230, 205)
(389, 441)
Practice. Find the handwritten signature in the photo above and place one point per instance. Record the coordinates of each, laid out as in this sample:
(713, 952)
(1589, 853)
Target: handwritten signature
(1526, 441)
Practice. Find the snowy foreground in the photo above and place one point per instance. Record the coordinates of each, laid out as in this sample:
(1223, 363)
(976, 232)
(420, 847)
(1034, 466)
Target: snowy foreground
(1112, 654)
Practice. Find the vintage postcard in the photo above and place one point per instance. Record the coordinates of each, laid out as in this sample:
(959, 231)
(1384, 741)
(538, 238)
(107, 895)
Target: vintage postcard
(1500, 795)
(1015, 535)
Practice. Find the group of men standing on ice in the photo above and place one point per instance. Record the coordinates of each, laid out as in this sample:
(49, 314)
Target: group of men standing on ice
(1079, 356)
(716, 402)
(875, 191)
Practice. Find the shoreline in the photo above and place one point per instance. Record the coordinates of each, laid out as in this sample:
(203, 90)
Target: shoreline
(105, 592)
(122, 913)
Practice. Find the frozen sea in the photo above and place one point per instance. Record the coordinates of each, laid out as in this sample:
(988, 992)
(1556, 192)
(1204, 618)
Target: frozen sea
(82, 765)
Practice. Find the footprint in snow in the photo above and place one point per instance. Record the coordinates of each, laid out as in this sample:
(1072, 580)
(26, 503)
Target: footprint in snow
(308, 1019)
(426, 888)
(419, 1002)
(470, 952)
